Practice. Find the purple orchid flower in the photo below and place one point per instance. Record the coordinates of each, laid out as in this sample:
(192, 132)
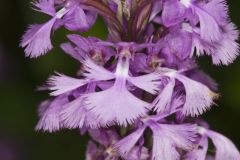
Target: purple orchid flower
(72, 16)
(137, 93)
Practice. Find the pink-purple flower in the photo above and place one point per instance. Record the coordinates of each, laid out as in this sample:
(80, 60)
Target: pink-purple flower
(137, 93)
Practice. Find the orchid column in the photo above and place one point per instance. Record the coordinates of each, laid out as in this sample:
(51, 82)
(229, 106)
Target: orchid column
(139, 94)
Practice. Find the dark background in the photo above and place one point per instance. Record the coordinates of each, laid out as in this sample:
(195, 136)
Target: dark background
(19, 77)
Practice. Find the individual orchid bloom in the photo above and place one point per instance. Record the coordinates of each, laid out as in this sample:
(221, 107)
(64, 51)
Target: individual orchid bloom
(198, 97)
(124, 108)
(224, 52)
(95, 101)
(175, 11)
(227, 49)
(105, 139)
(166, 138)
(37, 40)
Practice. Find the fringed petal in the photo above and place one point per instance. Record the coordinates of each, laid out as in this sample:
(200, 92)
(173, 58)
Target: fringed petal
(96, 72)
(50, 119)
(45, 6)
(37, 40)
(228, 49)
(162, 102)
(209, 28)
(163, 148)
(116, 105)
(149, 82)
(183, 135)
(60, 84)
(219, 10)
(125, 145)
(73, 114)
(167, 138)
(201, 46)
(199, 97)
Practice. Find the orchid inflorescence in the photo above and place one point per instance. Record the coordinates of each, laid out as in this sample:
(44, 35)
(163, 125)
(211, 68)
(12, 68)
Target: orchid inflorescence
(138, 93)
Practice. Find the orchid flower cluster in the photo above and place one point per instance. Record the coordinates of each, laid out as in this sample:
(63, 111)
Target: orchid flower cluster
(138, 93)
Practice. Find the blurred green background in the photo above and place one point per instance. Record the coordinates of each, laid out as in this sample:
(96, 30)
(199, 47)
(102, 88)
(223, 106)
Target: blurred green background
(19, 77)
